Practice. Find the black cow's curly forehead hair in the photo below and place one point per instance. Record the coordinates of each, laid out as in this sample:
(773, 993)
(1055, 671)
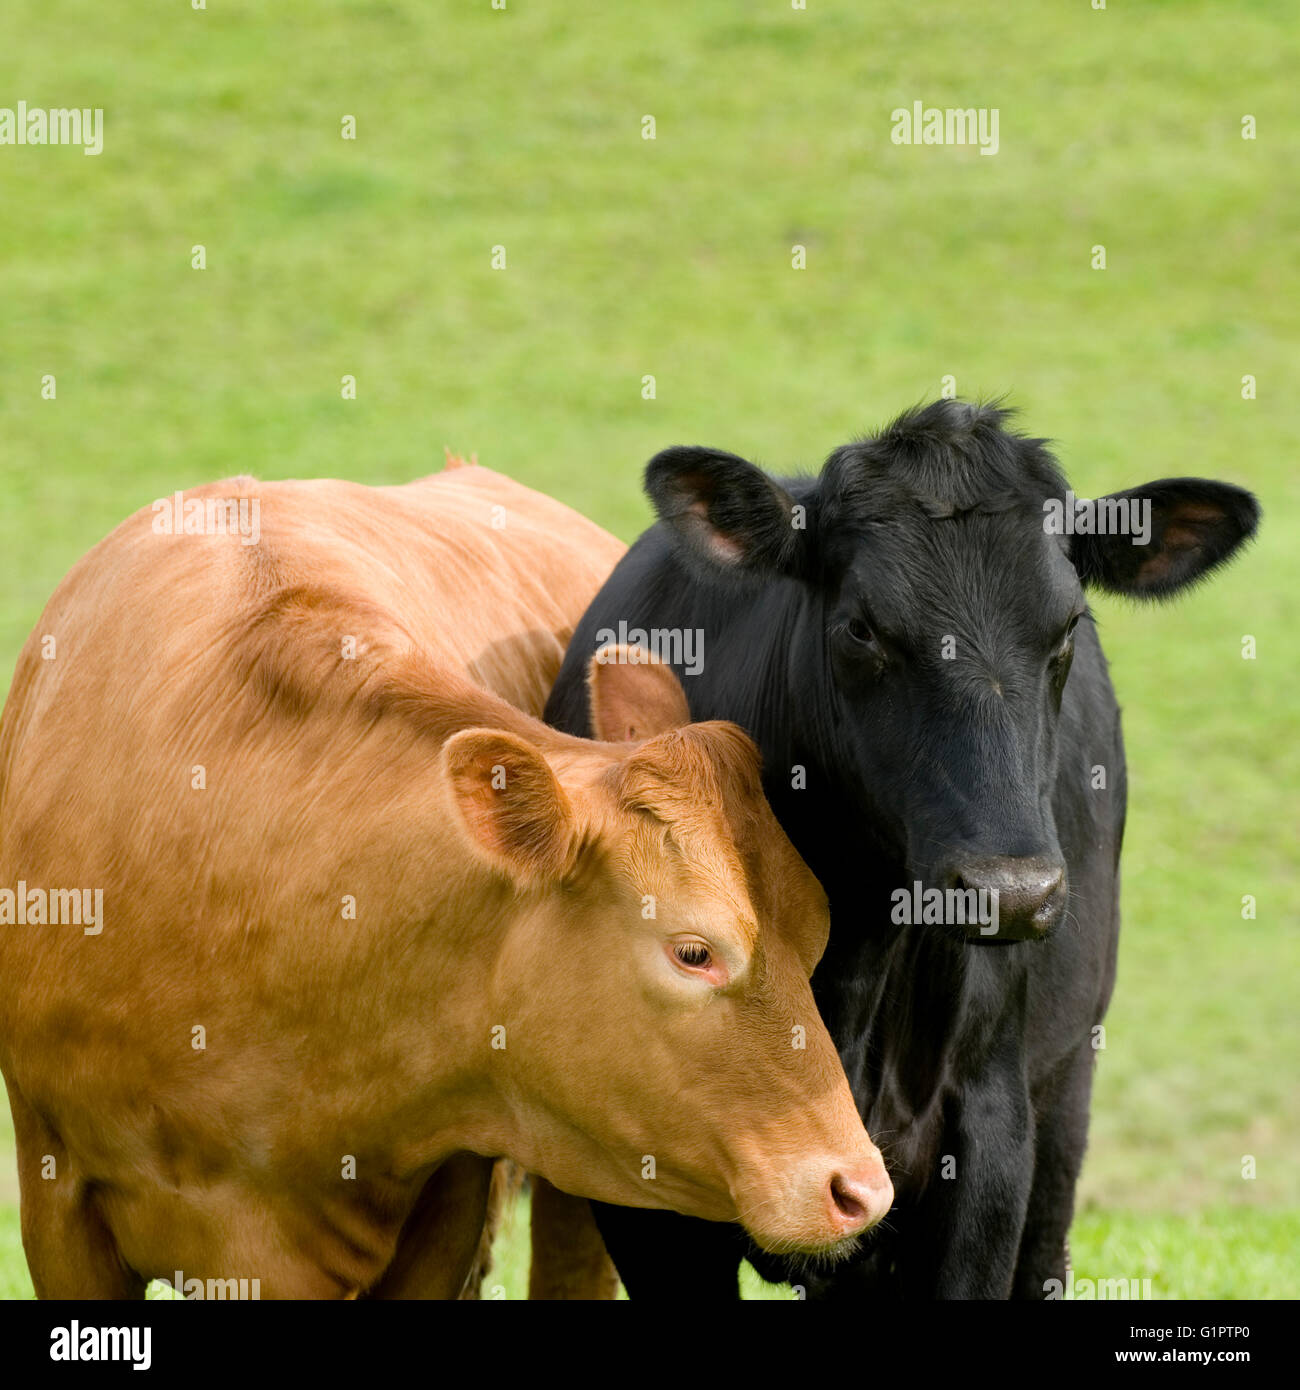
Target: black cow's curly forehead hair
(949, 457)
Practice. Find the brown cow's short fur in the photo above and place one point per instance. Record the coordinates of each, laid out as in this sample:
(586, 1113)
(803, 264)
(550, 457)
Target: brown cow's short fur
(240, 1078)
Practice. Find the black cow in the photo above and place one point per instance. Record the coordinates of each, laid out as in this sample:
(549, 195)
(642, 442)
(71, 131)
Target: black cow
(907, 639)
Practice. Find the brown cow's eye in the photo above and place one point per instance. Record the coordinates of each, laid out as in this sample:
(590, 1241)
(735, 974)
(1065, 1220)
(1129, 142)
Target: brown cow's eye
(692, 953)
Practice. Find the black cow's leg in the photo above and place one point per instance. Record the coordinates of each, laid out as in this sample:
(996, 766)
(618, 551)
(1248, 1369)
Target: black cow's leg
(1062, 1137)
(662, 1255)
(969, 1224)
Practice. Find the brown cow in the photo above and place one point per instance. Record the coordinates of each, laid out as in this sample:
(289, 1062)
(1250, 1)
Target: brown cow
(365, 925)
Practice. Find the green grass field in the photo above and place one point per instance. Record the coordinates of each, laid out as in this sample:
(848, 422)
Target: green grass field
(672, 258)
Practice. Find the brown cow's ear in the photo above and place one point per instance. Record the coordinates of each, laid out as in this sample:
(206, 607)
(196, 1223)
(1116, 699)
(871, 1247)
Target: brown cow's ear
(633, 696)
(515, 812)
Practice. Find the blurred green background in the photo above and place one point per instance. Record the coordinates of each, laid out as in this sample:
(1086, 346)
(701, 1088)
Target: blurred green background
(671, 258)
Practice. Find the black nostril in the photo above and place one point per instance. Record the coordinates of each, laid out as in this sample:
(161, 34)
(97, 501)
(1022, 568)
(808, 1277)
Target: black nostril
(1028, 889)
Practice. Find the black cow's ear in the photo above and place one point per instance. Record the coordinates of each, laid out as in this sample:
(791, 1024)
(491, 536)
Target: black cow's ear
(1195, 525)
(727, 511)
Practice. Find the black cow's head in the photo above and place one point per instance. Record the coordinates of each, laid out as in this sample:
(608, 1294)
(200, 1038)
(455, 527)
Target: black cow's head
(948, 564)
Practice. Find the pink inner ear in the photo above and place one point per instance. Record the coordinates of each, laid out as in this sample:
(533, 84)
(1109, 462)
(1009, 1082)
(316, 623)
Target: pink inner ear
(726, 548)
(719, 542)
(1154, 570)
(1198, 511)
(1178, 537)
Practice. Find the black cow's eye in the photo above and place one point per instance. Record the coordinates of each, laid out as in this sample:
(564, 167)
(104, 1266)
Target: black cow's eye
(859, 631)
(692, 953)
(1066, 645)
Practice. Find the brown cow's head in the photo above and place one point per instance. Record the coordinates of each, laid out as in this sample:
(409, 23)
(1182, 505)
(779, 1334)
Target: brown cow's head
(663, 1047)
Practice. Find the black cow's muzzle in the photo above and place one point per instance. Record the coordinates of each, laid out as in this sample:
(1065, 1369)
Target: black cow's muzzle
(1015, 898)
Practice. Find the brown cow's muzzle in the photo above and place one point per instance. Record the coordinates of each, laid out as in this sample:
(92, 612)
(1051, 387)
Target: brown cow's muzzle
(821, 1207)
(859, 1197)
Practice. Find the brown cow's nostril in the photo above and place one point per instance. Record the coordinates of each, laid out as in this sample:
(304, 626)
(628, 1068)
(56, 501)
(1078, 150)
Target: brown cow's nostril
(849, 1198)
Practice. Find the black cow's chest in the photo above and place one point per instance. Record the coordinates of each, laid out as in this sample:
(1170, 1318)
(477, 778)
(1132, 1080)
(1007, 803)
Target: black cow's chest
(917, 1015)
